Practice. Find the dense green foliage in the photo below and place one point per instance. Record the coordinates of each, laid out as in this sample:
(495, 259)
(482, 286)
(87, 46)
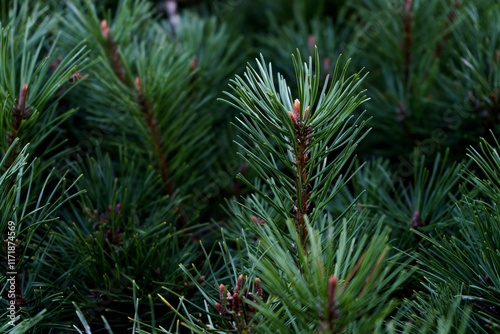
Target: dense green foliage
(250, 166)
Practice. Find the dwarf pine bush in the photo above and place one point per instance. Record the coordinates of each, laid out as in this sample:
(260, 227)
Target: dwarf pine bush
(239, 166)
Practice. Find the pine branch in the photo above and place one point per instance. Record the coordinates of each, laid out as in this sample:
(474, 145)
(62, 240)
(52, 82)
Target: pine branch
(19, 112)
(28, 116)
(146, 107)
(114, 56)
(152, 124)
(301, 161)
(309, 134)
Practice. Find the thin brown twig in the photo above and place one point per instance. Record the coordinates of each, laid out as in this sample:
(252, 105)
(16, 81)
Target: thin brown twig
(152, 125)
(19, 112)
(302, 203)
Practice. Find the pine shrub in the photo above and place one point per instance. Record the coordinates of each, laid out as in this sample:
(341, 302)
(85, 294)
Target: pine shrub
(237, 166)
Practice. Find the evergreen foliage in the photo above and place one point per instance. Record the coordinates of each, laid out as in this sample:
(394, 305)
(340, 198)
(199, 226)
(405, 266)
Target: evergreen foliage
(346, 181)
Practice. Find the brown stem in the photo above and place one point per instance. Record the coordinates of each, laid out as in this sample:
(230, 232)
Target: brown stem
(302, 203)
(301, 161)
(146, 107)
(372, 272)
(115, 61)
(19, 112)
(327, 324)
(147, 110)
(353, 271)
(152, 125)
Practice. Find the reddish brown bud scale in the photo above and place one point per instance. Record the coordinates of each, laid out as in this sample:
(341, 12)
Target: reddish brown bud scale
(236, 310)
(220, 308)
(194, 64)
(257, 287)
(24, 89)
(332, 288)
(239, 284)
(415, 221)
(408, 6)
(320, 267)
(295, 116)
(257, 221)
(296, 109)
(236, 301)
(105, 29)
(222, 289)
(245, 292)
(23, 97)
(138, 84)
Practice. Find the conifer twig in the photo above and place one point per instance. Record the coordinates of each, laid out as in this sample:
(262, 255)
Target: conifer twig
(115, 61)
(301, 160)
(19, 112)
(152, 124)
(145, 105)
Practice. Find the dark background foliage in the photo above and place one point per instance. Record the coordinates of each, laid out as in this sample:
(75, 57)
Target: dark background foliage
(123, 181)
